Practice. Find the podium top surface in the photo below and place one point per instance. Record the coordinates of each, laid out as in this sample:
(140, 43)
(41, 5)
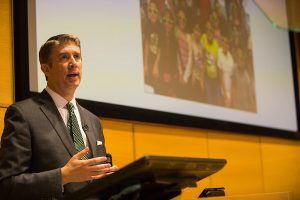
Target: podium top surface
(159, 171)
(168, 166)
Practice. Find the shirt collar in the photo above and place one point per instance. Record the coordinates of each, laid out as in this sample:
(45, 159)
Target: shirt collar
(59, 101)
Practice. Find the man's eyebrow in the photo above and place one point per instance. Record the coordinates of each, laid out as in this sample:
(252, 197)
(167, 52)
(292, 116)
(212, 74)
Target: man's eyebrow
(69, 53)
(62, 53)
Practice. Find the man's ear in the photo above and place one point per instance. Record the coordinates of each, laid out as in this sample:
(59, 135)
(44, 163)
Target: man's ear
(45, 69)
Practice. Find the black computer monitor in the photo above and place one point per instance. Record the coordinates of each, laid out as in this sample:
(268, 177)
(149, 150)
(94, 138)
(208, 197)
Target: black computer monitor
(152, 177)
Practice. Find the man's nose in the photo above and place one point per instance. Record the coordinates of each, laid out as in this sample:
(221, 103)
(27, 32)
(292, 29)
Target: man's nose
(72, 62)
(73, 59)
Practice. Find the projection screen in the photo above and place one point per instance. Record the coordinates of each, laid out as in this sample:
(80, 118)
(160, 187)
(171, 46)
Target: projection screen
(217, 60)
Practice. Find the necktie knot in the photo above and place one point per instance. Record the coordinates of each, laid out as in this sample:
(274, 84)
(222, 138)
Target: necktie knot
(70, 107)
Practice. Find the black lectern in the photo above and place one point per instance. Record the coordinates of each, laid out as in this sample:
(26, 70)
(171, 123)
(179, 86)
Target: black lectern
(150, 177)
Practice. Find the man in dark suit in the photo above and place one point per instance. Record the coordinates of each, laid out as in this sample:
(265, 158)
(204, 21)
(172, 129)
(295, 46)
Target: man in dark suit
(51, 146)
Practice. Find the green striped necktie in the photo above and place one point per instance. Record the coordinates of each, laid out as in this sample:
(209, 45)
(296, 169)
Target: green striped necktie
(75, 130)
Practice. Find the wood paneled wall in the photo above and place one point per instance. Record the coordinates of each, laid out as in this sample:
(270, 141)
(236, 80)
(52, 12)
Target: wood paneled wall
(6, 67)
(6, 64)
(256, 164)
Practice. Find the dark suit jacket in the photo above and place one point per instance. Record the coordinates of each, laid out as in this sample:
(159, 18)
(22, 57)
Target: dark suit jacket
(35, 144)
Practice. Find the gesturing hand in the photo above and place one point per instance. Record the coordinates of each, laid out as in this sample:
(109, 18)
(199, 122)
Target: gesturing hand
(77, 170)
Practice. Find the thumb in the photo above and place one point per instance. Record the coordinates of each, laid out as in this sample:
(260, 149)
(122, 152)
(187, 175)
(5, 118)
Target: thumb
(81, 153)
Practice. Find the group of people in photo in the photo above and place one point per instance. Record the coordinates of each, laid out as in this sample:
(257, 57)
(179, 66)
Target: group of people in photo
(199, 50)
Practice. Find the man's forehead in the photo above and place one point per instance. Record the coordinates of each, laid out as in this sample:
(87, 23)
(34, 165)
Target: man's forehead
(67, 47)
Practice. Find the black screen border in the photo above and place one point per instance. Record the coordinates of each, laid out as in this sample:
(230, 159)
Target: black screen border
(106, 110)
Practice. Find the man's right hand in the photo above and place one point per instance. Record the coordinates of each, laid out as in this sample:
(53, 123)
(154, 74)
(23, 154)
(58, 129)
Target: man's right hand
(77, 170)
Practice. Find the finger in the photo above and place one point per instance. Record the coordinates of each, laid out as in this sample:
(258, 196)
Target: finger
(113, 168)
(109, 173)
(95, 161)
(91, 174)
(98, 176)
(81, 153)
(100, 168)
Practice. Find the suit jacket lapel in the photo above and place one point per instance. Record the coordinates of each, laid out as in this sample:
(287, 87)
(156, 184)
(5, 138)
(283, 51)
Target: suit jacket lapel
(49, 109)
(87, 129)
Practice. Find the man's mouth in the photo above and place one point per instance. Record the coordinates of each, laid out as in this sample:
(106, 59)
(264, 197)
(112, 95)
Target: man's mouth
(73, 75)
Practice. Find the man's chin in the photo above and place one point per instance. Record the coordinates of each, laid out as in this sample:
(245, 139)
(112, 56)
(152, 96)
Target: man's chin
(73, 85)
(73, 81)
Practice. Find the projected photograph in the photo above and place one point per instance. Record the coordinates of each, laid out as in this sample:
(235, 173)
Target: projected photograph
(199, 51)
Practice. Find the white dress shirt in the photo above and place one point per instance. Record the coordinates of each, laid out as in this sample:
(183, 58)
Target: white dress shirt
(61, 103)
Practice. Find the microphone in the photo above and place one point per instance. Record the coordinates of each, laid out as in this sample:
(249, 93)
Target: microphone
(109, 158)
(85, 127)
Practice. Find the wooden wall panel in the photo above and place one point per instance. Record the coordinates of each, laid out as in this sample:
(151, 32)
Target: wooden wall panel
(281, 165)
(2, 112)
(119, 141)
(6, 66)
(172, 141)
(243, 172)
